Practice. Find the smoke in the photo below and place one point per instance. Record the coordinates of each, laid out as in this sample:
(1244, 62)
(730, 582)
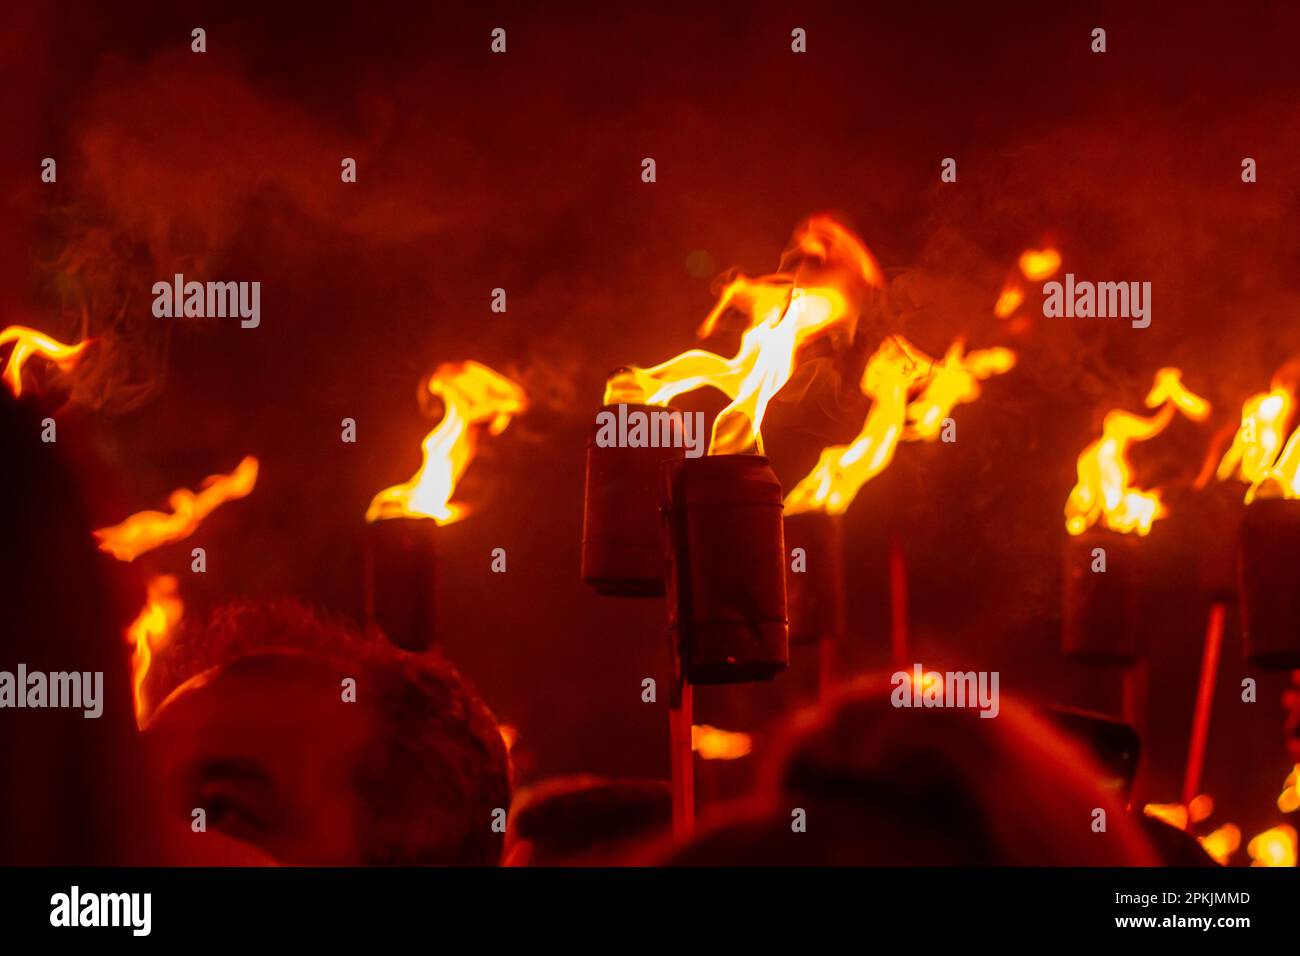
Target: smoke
(176, 153)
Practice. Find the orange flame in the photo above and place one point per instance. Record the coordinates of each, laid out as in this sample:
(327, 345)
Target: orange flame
(476, 399)
(714, 744)
(1288, 800)
(152, 529)
(896, 368)
(1257, 454)
(149, 632)
(931, 681)
(1104, 490)
(1008, 300)
(1039, 264)
(1222, 843)
(1273, 847)
(1182, 815)
(29, 342)
(509, 735)
(1035, 265)
(1174, 814)
(1201, 807)
(825, 267)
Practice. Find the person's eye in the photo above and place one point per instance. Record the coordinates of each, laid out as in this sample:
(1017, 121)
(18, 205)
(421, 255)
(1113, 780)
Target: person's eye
(230, 813)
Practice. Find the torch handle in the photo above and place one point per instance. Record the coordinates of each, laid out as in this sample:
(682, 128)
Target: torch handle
(681, 717)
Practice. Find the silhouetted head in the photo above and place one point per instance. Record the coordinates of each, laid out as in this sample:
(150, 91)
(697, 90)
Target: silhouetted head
(862, 782)
(584, 820)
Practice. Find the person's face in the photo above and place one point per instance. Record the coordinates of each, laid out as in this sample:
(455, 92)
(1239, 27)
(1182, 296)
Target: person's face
(265, 748)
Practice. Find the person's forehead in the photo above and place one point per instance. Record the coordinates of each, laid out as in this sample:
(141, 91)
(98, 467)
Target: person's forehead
(274, 694)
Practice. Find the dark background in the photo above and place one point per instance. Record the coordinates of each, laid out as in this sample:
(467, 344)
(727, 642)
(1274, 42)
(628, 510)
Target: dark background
(522, 171)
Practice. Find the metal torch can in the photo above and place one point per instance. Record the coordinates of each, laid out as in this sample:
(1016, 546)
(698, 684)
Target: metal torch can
(399, 580)
(622, 530)
(1270, 583)
(726, 568)
(1099, 624)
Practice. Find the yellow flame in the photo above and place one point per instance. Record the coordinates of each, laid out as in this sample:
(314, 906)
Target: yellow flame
(1182, 815)
(1273, 847)
(1222, 843)
(1283, 478)
(842, 470)
(891, 374)
(1008, 301)
(1039, 264)
(1104, 491)
(476, 399)
(149, 632)
(714, 744)
(29, 342)
(1288, 801)
(152, 529)
(953, 381)
(823, 270)
(1257, 454)
(1168, 388)
(1174, 814)
(930, 680)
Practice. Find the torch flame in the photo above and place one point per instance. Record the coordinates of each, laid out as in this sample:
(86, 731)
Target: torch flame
(714, 744)
(953, 382)
(1182, 815)
(842, 470)
(1008, 301)
(782, 312)
(509, 735)
(1035, 265)
(1201, 807)
(1104, 490)
(476, 399)
(150, 631)
(1288, 800)
(1174, 814)
(1257, 454)
(1273, 847)
(1039, 264)
(1222, 843)
(896, 368)
(29, 342)
(152, 529)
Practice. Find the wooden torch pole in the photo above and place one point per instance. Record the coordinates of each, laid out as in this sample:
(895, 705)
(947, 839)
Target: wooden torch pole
(1204, 702)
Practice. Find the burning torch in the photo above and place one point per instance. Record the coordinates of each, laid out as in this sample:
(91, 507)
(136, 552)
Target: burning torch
(724, 574)
(1262, 455)
(401, 522)
(912, 396)
(1105, 515)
